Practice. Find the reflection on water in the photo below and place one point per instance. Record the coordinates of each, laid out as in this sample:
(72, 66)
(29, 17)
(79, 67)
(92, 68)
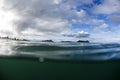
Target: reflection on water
(60, 51)
(5, 48)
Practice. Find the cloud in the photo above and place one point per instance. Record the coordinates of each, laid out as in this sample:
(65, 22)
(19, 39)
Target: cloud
(57, 1)
(77, 2)
(56, 17)
(45, 17)
(82, 34)
(39, 16)
(115, 18)
(102, 28)
(107, 7)
(79, 34)
(6, 19)
(84, 18)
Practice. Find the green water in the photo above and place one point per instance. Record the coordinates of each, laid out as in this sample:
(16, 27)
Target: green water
(21, 60)
(32, 69)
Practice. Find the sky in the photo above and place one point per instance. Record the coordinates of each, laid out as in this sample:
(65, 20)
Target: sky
(61, 19)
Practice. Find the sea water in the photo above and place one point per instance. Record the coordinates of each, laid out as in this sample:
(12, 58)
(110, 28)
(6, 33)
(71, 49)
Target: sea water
(31, 60)
(72, 51)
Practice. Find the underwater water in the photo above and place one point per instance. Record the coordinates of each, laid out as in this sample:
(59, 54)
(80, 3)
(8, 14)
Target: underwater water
(28, 60)
(72, 51)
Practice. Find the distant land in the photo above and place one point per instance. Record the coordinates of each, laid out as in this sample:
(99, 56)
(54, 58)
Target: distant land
(17, 39)
(66, 41)
(47, 41)
(85, 41)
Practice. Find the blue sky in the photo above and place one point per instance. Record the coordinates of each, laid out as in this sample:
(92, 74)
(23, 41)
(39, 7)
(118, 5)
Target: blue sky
(59, 19)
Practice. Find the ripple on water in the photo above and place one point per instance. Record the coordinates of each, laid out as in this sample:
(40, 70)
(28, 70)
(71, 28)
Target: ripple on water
(61, 51)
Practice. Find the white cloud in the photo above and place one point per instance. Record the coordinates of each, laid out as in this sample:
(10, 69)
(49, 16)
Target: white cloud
(6, 19)
(48, 17)
(108, 7)
(102, 27)
(53, 25)
(43, 16)
(81, 14)
(78, 34)
(57, 1)
(83, 17)
(82, 34)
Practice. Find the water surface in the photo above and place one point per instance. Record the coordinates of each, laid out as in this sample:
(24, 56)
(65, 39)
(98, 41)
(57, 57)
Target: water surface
(71, 51)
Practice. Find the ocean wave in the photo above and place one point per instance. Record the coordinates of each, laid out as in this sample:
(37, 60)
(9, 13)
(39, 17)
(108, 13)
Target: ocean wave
(81, 51)
(61, 51)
